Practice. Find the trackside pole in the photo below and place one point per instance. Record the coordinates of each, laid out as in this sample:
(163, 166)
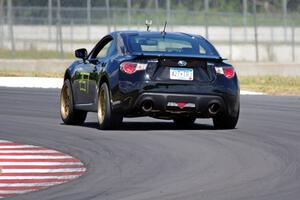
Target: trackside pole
(284, 9)
(108, 16)
(11, 28)
(255, 31)
(50, 20)
(206, 10)
(230, 37)
(129, 13)
(88, 11)
(245, 21)
(157, 14)
(1, 24)
(168, 11)
(59, 29)
(293, 43)
(72, 35)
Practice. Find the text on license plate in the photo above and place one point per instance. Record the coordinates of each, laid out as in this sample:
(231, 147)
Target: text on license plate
(181, 74)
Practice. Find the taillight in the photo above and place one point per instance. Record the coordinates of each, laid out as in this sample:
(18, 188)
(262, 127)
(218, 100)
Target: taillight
(132, 67)
(228, 72)
(128, 68)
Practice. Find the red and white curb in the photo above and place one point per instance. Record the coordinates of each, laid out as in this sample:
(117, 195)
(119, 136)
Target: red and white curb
(40, 82)
(26, 168)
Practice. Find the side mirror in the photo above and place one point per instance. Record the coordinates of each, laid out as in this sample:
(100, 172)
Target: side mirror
(81, 53)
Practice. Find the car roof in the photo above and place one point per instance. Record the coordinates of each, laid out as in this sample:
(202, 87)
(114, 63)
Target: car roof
(154, 33)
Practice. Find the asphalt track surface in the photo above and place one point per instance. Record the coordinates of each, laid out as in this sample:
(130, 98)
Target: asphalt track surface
(151, 159)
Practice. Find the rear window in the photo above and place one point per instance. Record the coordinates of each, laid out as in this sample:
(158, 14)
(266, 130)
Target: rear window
(170, 43)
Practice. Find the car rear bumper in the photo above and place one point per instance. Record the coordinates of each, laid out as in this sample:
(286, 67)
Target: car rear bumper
(176, 98)
(178, 103)
(166, 105)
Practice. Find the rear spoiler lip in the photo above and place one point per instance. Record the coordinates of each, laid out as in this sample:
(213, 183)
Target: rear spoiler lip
(159, 55)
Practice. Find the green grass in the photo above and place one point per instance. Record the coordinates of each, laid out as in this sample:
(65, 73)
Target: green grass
(31, 74)
(273, 85)
(33, 54)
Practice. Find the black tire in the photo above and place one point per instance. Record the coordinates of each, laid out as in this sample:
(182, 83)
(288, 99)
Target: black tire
(184, 121)
(106, 117)
(68, 113)
(225, 121)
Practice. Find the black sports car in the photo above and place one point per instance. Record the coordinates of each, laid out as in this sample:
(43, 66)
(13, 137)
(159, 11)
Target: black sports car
(163, 75)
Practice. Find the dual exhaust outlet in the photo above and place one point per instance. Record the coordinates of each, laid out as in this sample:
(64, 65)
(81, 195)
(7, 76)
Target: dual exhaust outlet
(213, 108)
(147, 106)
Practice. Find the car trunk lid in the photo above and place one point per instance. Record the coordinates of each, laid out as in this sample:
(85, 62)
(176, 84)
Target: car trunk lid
(173, 67)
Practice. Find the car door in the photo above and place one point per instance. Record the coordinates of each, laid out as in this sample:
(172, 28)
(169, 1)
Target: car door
(82, 84)
(87, 74)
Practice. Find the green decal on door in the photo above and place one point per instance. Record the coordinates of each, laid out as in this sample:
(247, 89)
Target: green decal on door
(84, 81)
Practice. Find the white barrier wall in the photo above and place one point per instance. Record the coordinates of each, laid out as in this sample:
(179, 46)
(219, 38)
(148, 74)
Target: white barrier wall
(272, 45)
(216, 33)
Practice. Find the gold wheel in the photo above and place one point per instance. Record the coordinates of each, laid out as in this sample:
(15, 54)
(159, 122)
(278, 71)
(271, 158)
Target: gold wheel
(65, 102)
(101, 106)
(106, 117)
(68, 113)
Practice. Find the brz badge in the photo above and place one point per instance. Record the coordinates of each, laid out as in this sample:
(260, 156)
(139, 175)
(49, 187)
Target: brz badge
(182, 63)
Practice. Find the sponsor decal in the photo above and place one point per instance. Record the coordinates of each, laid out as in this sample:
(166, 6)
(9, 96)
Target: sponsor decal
(181, 105)
(84, 81)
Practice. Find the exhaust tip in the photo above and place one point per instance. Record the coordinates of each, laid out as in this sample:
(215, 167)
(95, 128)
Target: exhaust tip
(147, 105)
(214, 108)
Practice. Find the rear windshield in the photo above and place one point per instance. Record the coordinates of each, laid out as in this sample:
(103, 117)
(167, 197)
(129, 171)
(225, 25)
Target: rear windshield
(170, 43)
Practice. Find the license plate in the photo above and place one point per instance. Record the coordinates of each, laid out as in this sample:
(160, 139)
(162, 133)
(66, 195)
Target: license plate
(186, 74)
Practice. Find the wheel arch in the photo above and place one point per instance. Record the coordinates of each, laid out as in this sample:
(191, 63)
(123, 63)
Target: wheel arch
(104, 79)
(67, 75)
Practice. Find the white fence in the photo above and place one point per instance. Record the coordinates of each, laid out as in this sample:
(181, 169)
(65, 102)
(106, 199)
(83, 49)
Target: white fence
(63, 29)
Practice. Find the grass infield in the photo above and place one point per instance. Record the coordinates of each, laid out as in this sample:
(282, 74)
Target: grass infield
(273, 85)
(33, 54)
